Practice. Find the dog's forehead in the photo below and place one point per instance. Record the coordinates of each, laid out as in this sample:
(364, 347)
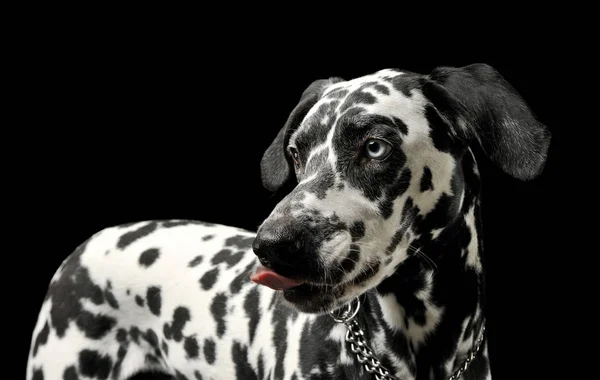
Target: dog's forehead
(389, 93)
(385, 77)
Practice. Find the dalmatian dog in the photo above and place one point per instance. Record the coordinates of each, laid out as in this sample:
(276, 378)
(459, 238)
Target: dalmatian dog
(381, 232)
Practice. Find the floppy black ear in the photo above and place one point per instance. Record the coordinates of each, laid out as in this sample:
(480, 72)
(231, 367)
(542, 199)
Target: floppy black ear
(496, 115)
(276, 165)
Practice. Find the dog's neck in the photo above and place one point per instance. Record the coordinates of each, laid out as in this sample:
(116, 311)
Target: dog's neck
(430, 311)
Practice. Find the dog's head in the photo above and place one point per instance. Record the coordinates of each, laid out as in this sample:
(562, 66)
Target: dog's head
(372, 156)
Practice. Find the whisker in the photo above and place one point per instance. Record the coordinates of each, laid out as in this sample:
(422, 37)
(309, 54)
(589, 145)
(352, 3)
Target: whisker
(366, 245)
(327, 271)
(424, 256)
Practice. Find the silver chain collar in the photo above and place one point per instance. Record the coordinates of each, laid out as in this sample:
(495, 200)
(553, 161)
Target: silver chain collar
(355, 338)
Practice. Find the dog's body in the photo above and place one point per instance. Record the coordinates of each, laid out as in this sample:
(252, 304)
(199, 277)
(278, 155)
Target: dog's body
(386, 209)
(173, 295)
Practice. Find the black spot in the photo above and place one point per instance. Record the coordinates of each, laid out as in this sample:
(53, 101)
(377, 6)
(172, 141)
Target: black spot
(241, 279)
(139, 300)
(404, 84)
(110, 297)
(181, 316)
(42, 338)
(129, 237)
(209, 278)
(121, 335)
(96, 296)
(95, 326)
(197, 375)
(240, 241)
(227, 255)
(396, 239)
(400, 125)
(381, 89)
(38, 374)
(167, 332)
(280, 335)
(251, 304)
(134, 332)
(120, 357)
(195, 261)
(176, 223)
(128, 292)
(121, 352)
(408, 279)
(209, 350)
(350, 260)
(154, 300)
(260, 367)
(337, 93)
(69, 290)
(355, 98)
(190, 345)
(180, 376)
(218, 308)
(151, 337)
(409, 214)
(93, 364)
(357, 230)
(208, 237)
(243, 370)
(426, 183)
(368, 272)
(165, 347)
(324, 181)
(397, 189)
(149, 256)
(439, 130)
(70, 373)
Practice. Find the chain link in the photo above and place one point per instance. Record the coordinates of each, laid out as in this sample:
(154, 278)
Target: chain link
(471, 356)
(357, 343)
(358, 346)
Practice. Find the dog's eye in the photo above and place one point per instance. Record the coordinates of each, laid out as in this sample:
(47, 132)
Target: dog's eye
(295, 156)
(377, 149)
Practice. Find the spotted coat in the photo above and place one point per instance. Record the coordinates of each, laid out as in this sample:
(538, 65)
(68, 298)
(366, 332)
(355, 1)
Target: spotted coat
(399, 228)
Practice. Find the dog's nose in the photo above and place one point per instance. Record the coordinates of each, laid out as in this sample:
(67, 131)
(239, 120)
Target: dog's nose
(278, 245)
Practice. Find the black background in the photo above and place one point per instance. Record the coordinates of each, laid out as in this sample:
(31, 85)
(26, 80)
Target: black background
(147, 122)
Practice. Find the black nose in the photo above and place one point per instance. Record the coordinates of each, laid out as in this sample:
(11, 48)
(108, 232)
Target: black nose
(280, 245)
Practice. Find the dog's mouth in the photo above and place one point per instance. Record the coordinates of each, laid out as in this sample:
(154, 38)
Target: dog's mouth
(295, 290)
(269, 278)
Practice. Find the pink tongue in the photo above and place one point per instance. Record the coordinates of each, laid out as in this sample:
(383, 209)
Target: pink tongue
(267, 277)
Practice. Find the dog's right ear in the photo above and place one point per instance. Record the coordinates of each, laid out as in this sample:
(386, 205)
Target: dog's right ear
(276, 165)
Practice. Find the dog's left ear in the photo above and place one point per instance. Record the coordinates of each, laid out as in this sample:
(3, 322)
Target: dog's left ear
(483, 105)
(276, 166)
